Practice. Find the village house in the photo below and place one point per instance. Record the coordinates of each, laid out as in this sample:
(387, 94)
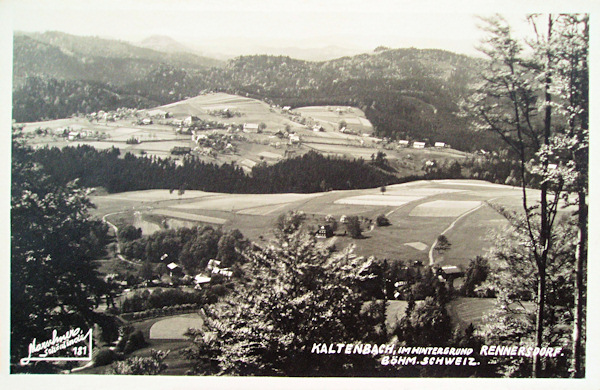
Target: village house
(159, 114)
(174, 270)
(325, 231)
(403, 143)
(419, 145)
(222, 271)
(190, 120)
(201, 279)
(440, 145)
(250, 128)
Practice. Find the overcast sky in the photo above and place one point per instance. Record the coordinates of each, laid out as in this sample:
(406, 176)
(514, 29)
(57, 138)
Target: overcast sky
(240, 24)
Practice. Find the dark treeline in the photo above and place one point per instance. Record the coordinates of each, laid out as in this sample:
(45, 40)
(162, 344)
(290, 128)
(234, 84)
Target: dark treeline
(42, 98)
(309, 173)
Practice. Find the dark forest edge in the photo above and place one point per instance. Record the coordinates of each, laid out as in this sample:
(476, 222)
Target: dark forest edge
(310, 173)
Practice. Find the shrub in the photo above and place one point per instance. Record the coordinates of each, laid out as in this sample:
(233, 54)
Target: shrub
(104, 357)
(135, 341)
(382, 220)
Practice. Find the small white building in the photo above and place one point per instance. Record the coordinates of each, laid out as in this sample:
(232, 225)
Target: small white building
(158, 114)
(201, 279)
(440, 145)
(294, 139)
(212, 263)
(250, 128)
(419, 145)
(190, 120)
(404, 143)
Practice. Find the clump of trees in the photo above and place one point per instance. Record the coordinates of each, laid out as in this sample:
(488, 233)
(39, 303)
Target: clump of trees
(353, 226)
(190, 247)
(267, 325)
(311, 172)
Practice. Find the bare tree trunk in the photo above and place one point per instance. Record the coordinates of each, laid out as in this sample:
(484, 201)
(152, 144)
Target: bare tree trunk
(580, 256)
(545, 228)
(539, 323)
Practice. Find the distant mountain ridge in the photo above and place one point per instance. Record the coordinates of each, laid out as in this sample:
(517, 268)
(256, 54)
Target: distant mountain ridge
(163, 43)
(405, 93)
(70, 57)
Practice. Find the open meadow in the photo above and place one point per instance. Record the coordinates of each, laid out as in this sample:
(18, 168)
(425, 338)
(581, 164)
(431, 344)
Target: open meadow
(418, 212)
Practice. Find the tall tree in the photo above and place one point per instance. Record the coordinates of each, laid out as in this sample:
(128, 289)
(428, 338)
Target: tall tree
(569, 149)
(516, 88)
(54, 284)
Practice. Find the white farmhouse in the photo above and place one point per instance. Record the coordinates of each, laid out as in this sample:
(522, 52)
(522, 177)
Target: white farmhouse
(250, 128)
(419, 145)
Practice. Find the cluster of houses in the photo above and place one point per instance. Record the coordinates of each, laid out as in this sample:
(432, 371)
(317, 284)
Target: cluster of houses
(76, 133)
(112, 116)
(421, 145)
(216, 142)
(212, 269)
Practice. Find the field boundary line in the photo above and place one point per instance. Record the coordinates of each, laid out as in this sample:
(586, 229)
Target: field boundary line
(431, 259)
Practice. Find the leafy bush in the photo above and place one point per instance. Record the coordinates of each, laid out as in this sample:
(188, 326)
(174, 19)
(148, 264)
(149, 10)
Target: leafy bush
(135, 341)
(104, 357)
(382, 220)
(152, 365)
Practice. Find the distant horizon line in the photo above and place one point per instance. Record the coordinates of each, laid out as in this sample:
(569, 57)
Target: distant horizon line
(227, 54)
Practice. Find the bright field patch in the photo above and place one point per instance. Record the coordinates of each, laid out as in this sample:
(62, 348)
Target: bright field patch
(175, 327)
(444, 208)
(190, 217)
(424, 192)
(378, 200)
(238, 203)
(417, 245)
(155, 195)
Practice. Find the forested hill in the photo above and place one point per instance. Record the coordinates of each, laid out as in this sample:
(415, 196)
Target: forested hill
(405, 93)
(64, 56)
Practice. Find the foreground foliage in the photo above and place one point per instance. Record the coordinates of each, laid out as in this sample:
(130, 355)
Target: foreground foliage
(296, 295)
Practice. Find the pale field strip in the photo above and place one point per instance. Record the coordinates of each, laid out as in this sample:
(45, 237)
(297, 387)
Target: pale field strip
(157, 195)
(175, 327)
(378, 200)
(444, 208)
(475, 184)
(270, 155)
(262, 210)
(365, 153)
(417, 245)
(237, 202)
(188, 216)
(424, 192)
(398, 195)
(248, 163)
